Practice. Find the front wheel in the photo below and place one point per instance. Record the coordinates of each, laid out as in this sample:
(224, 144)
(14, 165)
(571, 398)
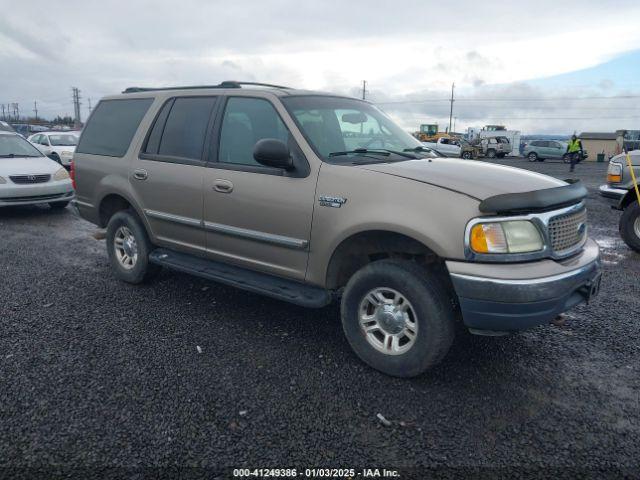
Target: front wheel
(532, 157)
(397, 317)
(128, 247)
(491, 153)
(630, 226)
(467, 155)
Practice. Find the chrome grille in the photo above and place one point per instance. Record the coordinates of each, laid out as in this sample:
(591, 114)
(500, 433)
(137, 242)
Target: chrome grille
(568, 231)
(27, 179)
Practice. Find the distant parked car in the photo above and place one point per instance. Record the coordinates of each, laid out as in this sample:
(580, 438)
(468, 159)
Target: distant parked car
(26, 129)
(5, 127)
(27, 177)
(539, 150)
(58, 146)
(493, 147)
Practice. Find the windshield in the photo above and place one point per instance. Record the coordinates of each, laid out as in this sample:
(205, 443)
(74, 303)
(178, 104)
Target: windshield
(342, 125)
(63, 140)
(16, 146)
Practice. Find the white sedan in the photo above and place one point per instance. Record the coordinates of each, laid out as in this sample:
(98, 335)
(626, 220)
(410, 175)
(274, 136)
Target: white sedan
(27, 177)
(58, 146)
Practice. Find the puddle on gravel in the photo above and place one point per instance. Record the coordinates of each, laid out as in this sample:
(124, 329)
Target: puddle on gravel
(608, 246)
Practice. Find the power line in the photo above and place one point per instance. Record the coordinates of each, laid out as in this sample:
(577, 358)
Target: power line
(508, 99)
(76, 106)
(453, 85)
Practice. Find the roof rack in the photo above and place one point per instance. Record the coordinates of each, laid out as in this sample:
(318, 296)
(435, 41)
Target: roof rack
(225, 84)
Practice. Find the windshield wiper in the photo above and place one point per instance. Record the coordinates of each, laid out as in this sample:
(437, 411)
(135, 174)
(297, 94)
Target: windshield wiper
(375, 151)
(359, 150)
(8, 155)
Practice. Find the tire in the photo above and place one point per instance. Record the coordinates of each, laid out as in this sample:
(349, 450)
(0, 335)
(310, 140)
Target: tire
(491, 153)
(630, 226)
(136, 269)
(532, 157)
(58, 205)
(467, 155)
(427, 302)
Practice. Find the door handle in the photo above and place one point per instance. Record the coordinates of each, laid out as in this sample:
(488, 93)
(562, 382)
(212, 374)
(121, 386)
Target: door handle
(222, 186)
(140, 174)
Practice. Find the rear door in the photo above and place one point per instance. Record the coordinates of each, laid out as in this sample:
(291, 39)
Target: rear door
(255, 216)
(168, 174)
(555, 150)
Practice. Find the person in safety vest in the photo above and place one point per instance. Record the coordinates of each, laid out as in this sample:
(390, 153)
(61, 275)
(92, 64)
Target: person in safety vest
(574, 150)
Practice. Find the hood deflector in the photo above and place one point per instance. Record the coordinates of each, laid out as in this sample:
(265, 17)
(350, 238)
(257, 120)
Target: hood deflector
(535, 201)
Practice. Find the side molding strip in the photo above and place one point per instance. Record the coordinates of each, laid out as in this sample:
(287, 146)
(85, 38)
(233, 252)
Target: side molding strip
(255, 235)
(192, 222)
(280, 240)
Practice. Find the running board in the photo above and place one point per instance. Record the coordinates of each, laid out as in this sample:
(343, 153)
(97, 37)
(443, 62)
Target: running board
(263, 283)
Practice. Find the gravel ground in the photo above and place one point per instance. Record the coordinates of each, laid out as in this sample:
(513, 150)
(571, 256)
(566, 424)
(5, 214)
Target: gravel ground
(183, 373)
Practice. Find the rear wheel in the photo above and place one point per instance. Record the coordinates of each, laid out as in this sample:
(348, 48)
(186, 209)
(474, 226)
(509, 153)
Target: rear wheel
(630, 226)
(128, 247)
(491, 153)
(532, 157)
(397, 317)
(467, 155)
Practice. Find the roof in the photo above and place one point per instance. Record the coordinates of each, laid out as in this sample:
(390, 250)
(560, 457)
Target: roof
(597, 136)
(229, 86)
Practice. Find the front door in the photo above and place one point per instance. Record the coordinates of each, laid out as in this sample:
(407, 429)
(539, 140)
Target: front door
(255, 216)
(167, 177)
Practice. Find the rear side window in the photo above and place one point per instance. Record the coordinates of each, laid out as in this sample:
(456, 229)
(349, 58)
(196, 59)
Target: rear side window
(112, 126)
(186, 127)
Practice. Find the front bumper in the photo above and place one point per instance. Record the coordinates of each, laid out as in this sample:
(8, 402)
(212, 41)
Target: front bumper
(507, 298)
(612, 192)
(33, 194)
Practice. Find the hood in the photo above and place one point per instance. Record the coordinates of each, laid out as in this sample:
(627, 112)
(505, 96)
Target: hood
(27, 166)
(474, 178)
(622, 158)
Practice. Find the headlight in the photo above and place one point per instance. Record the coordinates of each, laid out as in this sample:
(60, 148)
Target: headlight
(614, 173)
(61, 174)
(2, 180)
(516, 236)
(65, 153)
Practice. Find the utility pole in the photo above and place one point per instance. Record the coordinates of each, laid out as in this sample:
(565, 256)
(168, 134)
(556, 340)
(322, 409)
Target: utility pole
(364, 89)
(3, 117)
(453, 85)
(35, 109)
(76, 107)
(454, 124)
(89, 106)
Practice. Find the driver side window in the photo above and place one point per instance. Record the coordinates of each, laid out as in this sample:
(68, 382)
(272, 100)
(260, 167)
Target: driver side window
(245, 121)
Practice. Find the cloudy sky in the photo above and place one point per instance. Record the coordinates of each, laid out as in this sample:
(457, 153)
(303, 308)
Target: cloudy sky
(538, 66)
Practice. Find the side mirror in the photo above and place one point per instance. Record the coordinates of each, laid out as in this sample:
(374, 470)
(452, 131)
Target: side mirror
(271, 152)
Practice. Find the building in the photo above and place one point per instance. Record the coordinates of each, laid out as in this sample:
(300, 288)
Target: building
(601, 142)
